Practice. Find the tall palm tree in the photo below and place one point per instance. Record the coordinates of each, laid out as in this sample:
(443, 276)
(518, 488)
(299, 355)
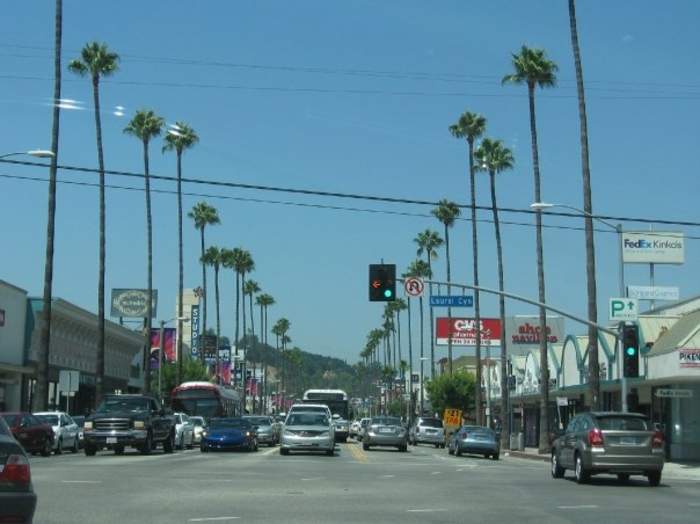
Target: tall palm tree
(97, 61)
(251, 287)
(534, 69)
(593, 366)
(494, 158)
(419, 268)
(146, 125)
(246, 266)
(213, 256)
(180, 138)
(428, 241)
(280, 329)
(264, 301)
(41, 395)
(470, 126)
(447, 212)
(203, 215)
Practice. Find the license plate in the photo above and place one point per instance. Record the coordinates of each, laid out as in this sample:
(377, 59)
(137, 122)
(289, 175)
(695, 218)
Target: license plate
(629, 441)
(386, 430)
(112, 440)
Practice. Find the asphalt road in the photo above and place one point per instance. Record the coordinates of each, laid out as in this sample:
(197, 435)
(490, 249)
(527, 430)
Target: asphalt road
(424, 485)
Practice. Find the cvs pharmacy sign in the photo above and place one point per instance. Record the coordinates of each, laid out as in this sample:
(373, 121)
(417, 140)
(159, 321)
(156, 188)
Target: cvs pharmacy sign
(462, 331)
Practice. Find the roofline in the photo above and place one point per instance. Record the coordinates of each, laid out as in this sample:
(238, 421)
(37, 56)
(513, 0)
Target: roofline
(16, 288)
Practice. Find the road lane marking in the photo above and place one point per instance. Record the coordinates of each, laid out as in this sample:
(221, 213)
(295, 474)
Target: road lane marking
(358, 454)
(387, 476)
(212, 519)
(580, 506)
(424, 510)
(313, 478)
(269, 452)
(435, 473)
(81, 481)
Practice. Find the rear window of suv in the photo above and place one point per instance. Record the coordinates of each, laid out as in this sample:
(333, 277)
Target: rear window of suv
(622, 423)
(431, 422)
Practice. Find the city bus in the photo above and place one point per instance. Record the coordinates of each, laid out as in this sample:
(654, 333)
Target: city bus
(206, 400)
(336, 400)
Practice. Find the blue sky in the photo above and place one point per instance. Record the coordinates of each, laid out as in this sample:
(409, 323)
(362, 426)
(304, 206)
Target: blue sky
(643, 90)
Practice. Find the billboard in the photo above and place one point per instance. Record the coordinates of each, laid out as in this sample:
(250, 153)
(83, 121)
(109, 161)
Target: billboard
(462, 331)
(653, 247)
(523, 332)
(169, 346)
(653, 292)
(133, 303)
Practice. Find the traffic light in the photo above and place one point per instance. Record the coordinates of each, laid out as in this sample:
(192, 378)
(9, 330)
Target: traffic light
(382, 282)
(630, 350)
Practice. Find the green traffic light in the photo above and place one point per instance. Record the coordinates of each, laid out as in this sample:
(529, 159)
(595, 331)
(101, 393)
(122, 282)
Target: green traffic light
(387, 293)
(631, 351)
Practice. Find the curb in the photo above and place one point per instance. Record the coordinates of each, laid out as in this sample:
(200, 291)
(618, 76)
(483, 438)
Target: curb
(520, 454)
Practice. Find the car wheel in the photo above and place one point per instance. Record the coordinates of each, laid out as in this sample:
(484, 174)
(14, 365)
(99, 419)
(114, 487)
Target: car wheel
(169, 443)
(437, 446)
(330, 452)
(119, 450)
(46, 450)
(284, 451)
(450, 451)
(654, 478)
(557, 470)
(59, 447)
(365, 446)
(495, 456)
(582, 475)
(90, 451)
(203, 449)
(147, 446)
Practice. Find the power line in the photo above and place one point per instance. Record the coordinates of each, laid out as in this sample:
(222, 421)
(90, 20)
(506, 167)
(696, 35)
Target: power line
(351, 196)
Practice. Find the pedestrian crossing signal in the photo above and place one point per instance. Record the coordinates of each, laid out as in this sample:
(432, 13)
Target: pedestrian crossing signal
(382, 282)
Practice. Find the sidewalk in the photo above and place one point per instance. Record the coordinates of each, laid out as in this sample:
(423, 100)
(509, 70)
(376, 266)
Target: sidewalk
(672, 470)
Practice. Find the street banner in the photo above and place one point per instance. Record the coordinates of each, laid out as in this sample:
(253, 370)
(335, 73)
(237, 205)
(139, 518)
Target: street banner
(169, 345)
(523, 332)
(133, 303)
(463, 331)
(194, 323)
(653, 247)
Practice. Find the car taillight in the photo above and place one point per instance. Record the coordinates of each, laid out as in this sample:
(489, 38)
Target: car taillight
(16, 470)
(657, 441)
(595, 437)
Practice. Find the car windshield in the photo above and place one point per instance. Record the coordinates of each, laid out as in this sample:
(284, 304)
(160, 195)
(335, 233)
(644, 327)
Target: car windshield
(386, 421)
(431, 422)
(229, 423)
(197, 421)
(622, 423)
(49, 419)
(79, 420)
(123, 404)
(307, 419)
(259, 421)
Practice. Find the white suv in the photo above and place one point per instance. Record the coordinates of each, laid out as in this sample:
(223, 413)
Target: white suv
(312, 408)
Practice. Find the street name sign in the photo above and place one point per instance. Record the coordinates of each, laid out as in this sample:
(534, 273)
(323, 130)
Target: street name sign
(674, 393)
(621, 309)
(452, 301)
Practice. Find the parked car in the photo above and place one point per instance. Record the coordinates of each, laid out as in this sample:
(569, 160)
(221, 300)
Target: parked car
(475, 439)
(385, 431)
(341, 428)
(265, 428)
(363, 428)
(32, 433)
(427, 430)
(137, 421)
(184, 431)
(609, 442)
(65, 431)
(307, 431)
(79, 420)
(199, 426)
(17, 497)
(229, 433)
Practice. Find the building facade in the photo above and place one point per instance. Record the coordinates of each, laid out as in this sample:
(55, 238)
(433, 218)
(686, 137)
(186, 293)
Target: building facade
(13, 312)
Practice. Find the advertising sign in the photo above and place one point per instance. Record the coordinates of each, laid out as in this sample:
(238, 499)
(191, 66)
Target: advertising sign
(523, 331)
(653, 247)
(132, 303)
(689, 358)
(674, 393)
(463, 331)
(452, 417)
(169, 346)
(194, 323)
(653, 293)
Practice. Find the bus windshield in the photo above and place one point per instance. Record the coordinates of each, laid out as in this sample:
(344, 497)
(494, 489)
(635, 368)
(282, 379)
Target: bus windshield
(336, 400)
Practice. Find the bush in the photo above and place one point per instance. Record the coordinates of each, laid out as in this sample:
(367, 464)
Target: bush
(455, 392)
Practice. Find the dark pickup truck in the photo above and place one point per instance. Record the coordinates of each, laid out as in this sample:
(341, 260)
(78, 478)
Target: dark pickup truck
(137, 421)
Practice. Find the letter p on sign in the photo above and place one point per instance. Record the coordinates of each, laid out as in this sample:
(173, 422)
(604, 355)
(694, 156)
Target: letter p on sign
(622, 309)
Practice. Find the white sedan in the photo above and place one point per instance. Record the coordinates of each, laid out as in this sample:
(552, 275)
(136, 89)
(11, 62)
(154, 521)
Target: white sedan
(65, 430)
(184, 431)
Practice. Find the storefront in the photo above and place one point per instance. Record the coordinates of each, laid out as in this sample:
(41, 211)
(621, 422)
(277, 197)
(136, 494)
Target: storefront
(13, 310)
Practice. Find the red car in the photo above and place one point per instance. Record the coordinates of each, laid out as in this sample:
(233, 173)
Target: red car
(33, 434)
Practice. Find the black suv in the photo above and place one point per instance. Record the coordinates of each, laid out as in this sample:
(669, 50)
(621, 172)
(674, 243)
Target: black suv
(137, 421)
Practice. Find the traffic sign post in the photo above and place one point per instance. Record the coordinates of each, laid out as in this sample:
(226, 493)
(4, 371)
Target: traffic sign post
(414, 286)
(621, 309)
(452, 301)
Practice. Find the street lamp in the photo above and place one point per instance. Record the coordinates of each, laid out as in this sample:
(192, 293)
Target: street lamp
(38, 153)
(161, 349)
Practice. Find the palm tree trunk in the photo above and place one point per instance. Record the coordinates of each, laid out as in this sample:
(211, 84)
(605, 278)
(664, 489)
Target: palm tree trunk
(100, 360)
(477, 297)
(544, 364)
(263, 365)
(204, 292)
(505, 415)
(149, 305)
(449, 291)
(244, 345)
(238, 293)
(422, 375)
(432, 321)
(398, 337)
(252, 332)
(593, 366)
(181, 271)
(218, 322)
(40, 397)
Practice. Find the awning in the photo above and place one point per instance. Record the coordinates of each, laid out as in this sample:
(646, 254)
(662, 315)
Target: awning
(13, 368)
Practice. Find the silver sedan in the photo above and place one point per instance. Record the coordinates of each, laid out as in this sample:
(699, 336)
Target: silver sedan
(385, 431)
(307, 432)
(475, 439)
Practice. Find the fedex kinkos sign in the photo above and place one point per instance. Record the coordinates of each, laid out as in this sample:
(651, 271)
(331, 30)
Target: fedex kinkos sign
(653, 247)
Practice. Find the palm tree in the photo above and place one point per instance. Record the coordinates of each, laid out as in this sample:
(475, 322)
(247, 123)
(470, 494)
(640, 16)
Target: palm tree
(40, 398)
(246, 266)
(419, 268)
(179, 138)
(146, 125)
(251, 287)
(495, 158)
(399, 306)
(533, 68)
(97, 61)
(213, 256)
(447, 212)
(593, 366)
(204, 215)
(428, 241)
(264, 301)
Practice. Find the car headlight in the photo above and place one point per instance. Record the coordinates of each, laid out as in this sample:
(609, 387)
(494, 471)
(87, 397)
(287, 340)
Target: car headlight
(139, 424)
(87, 424)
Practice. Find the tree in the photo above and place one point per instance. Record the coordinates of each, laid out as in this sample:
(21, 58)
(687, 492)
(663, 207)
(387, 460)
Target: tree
(264, 301)
(428, 242)
(192, 369)
(534, 69)
(41, 395)
(593, 366)
(494, 157)
(251, 287)
(97, 61)
(146, 125)
(203, 215)
(454, 391)
(447, 212)
(213, 257)
(180, 138)
(399, 306)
